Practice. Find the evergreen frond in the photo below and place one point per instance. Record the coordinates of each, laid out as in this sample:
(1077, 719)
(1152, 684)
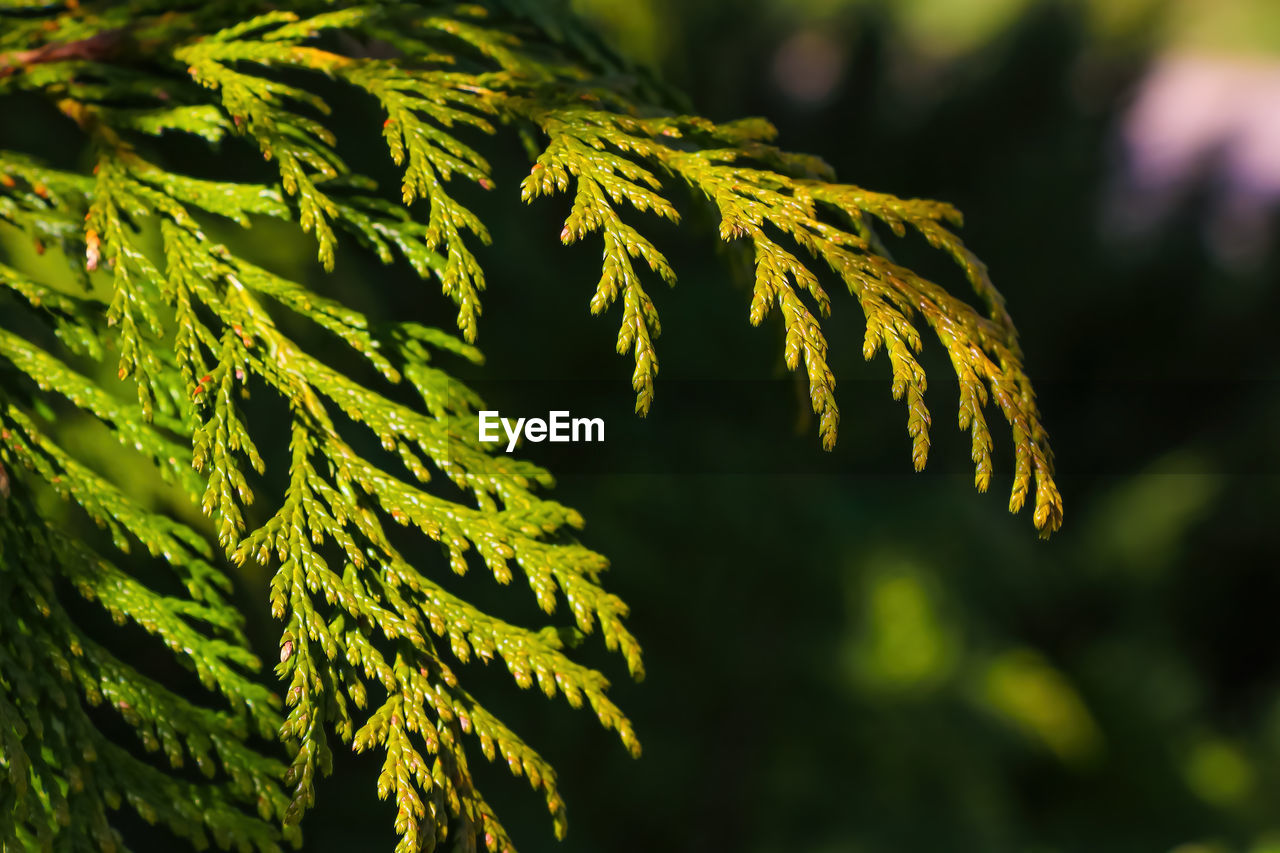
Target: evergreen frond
(368, 634)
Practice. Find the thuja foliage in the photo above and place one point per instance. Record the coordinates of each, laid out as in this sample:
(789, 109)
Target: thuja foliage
(370, 636)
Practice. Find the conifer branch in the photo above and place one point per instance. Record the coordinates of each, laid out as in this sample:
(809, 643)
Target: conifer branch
(368, 636)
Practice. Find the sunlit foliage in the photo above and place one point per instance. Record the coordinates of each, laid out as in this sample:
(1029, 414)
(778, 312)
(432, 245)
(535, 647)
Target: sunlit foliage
(370, 639)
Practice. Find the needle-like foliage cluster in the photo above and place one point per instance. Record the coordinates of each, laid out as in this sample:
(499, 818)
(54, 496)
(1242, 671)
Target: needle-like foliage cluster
(370, 636)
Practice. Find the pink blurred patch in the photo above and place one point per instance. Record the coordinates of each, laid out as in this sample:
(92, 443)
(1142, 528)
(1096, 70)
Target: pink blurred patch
(808, 66)
(1204, 122)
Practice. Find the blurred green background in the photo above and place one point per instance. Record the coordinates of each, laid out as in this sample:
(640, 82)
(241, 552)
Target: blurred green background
(847, 656)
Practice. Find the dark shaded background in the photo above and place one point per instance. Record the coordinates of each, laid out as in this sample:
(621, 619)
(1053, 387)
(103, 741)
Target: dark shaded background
(873, 660)
(844, 655)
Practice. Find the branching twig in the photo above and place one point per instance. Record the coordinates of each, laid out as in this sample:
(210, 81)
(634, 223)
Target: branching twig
(97, 47)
